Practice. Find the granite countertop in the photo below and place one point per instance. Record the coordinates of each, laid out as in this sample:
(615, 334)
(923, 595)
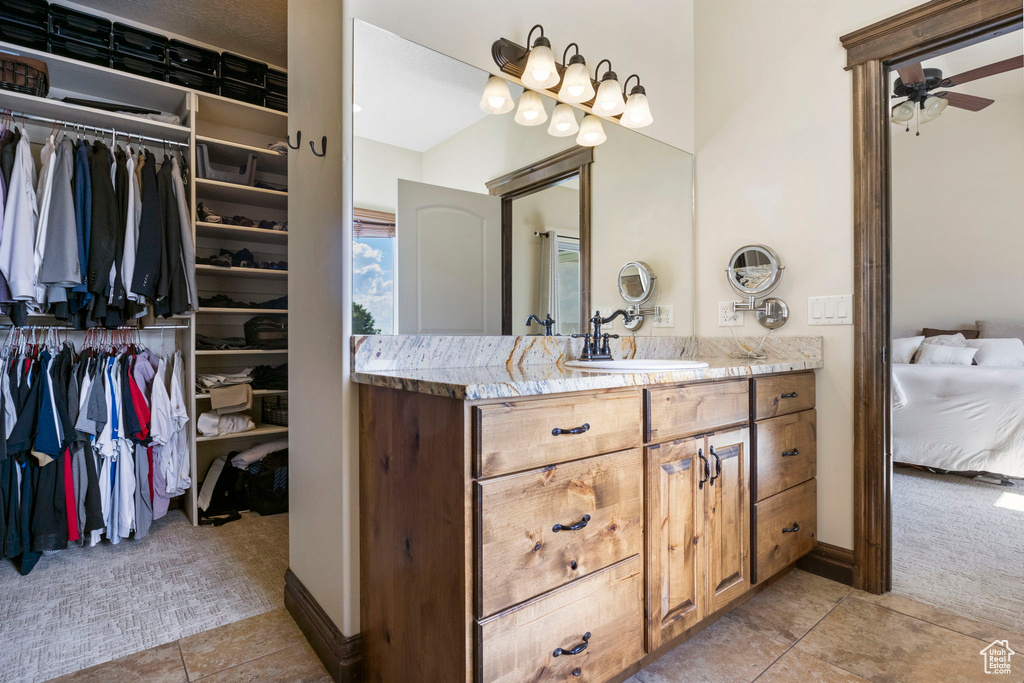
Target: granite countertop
(510, 381)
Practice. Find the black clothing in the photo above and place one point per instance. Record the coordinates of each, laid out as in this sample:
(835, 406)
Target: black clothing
(105, 226)
(151, 235)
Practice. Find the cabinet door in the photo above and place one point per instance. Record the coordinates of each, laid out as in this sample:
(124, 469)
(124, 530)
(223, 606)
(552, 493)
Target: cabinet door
(675, 551)
(727, 496)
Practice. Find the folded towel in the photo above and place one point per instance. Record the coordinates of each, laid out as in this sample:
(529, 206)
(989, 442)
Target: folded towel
(231, 399)
(212, 424)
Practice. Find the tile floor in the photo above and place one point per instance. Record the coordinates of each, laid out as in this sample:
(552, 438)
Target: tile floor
(802, 629)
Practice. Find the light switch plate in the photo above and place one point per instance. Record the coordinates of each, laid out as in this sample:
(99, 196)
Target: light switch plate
(830, 310)
(727, 317)
(666, 316)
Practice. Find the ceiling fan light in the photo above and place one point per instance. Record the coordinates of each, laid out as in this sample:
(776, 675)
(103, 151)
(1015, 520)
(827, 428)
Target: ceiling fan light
(638, 111)
(563, 122)
(609, 101)
(531, 109)
(497, 99)
(576, 84)
(934, 106)
(591, 132)
(541, 72)
(903, 112)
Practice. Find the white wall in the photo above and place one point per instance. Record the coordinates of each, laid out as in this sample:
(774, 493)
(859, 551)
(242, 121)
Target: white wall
(774, 165)
(958, 218)
(376, 169)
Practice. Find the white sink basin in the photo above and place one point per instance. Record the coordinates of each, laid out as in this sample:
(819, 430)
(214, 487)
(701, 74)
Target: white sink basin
(635, 365)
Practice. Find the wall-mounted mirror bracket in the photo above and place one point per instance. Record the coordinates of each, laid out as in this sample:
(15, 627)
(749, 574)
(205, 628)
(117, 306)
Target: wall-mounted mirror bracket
(755, 271)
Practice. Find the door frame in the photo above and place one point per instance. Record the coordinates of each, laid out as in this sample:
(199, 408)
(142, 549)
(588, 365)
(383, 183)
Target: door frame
(925, 31)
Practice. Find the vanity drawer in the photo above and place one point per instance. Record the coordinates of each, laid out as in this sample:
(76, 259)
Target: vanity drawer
(787, 452)
(523, 435)
(673, 412)
(783, 394)
(796, 509)
(519, 644)
(520, 553)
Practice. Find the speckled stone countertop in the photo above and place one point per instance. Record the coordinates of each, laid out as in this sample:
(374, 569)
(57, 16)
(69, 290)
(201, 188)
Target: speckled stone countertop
(436, 370)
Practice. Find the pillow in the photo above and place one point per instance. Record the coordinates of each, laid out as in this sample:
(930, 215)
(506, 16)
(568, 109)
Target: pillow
(935, 354)
(998, 352)
(903, 350)
(932, 332)
(991, 330)
(258, 452)
(955, 340)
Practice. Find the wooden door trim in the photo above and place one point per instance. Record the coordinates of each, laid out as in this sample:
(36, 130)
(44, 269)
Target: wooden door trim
(927, 30)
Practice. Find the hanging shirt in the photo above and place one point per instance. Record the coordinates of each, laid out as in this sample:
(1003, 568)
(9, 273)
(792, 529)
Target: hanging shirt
(44, 195)
(188, 249)
(59, 267)
(19, 231)
(131, 230)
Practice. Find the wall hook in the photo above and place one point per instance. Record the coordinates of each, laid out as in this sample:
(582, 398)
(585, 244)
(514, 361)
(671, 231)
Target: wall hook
(298, 140)
(323, 146)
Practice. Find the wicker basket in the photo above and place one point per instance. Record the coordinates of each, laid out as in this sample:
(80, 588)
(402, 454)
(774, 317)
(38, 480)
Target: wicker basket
(275, 410)
(22, 74)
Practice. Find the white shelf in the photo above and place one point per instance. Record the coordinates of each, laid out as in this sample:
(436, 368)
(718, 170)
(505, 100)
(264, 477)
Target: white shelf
(240, 352)
(243, 311)
(255, 392)
(224, 111)
(256, 273)
(260, 431)
(238, 232)
(217, 191)
(237, 154)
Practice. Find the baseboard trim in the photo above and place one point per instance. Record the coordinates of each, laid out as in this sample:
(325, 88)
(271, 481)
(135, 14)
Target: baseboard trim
(341, 656)
(829, 561)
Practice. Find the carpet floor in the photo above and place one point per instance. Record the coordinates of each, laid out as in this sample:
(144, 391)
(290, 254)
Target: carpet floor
(84, 606)
(958, 544)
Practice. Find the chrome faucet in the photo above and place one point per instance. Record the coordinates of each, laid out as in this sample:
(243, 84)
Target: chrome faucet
(548, 324)
(595, 345)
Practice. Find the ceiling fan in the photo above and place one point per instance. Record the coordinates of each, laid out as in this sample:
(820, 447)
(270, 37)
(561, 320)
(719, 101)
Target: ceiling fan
(917, 85)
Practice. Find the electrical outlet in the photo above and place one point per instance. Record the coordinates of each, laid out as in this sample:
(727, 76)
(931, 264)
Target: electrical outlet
(727, 317)
(666, 316)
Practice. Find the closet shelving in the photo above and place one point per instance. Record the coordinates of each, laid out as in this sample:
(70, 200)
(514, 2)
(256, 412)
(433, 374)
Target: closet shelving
(238, 232)
(243, 311)
(220, 271)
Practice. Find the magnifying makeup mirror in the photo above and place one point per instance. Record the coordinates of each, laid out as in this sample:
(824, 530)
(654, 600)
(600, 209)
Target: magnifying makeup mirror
(754, 272)
(637, 283)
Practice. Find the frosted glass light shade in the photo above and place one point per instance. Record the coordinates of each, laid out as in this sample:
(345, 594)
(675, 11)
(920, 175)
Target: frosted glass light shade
(609, 100)
(591, 132)
(540, 72)
(933, 106)
(903, 112)
(497, 99)
(531, 109)
(576, 85)
(638, 112)
(563, 122)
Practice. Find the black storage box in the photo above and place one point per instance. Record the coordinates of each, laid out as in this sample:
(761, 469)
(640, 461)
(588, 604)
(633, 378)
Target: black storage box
(31, 13)
(23, 34)
(132, 42)
(192, 79)
(241, 69)
(76, 49)
(277, 83)
(139, 67)
(278, 102)
(79, 26)
(244, 92)
(192, 57)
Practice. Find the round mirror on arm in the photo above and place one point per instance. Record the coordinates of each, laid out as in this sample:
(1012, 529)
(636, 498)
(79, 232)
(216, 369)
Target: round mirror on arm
(636, 287)
(754, 272)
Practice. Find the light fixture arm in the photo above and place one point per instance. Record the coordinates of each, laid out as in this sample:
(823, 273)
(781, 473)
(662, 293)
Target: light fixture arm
(598, 68)
(625, 84)
(529, 36)
(565, 53)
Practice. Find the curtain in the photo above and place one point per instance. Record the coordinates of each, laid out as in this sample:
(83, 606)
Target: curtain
(548, 285)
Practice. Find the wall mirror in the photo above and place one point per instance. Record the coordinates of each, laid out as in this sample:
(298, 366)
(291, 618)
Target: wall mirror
(469, 223)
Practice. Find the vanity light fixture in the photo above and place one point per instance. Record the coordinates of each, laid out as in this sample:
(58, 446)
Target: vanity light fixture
(576, 84)
(609, 101)
(563, 122)
(531, 109)
(540, 72)
(497, 99)
(638, 112)
(591, 132)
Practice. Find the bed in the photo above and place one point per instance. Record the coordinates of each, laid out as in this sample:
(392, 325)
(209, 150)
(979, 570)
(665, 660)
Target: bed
(960, 418)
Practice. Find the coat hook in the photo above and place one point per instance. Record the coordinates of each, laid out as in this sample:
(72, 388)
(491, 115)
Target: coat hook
(323, 146)
(298, 140)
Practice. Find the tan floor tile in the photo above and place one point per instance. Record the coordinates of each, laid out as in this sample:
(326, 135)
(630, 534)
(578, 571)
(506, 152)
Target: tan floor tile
(296, 664)
(788, 609)
(797, 667)
(883, 645)
(728, 651)
(160, 664)
(221, 648)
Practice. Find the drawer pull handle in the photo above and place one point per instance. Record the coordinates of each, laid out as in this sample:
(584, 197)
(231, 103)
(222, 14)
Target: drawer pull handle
(576, 650)
(707, 469)
(575, 430)
(786, 454)
(718, 466)
(792, 529)
(575, 527)
(790, 395)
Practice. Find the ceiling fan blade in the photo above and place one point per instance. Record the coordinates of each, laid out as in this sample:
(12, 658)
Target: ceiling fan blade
(988, 70)
(913, 73)
(962, 101)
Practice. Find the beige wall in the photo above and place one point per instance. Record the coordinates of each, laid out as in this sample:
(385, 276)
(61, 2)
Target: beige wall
(376, 168)
(774, 165)
(958, 218)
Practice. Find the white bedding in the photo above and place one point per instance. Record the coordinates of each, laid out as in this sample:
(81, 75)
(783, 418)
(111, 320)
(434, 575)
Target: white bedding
(960, 418)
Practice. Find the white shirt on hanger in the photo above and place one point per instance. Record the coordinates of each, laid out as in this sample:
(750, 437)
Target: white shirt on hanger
(19, 232)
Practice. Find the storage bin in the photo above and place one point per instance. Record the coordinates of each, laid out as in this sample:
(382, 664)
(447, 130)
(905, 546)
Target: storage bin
(192, 57)
(277, 102)
(241, 69)
(133, 42)
(75, 49)
(79, 26)
(277, 83)
(275, 410)
(192, 79)
(139, 67)
(32, 13)
(204, 169)
(244, 92)
(23, 35)
(24, 75)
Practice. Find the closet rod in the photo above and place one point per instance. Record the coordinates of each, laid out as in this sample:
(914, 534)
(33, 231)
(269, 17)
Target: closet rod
(95, 129)
(9, 326)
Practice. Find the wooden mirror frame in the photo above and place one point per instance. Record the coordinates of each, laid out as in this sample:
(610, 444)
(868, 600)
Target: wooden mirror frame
(920, 33)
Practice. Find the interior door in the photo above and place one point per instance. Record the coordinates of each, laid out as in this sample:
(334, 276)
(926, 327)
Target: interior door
(675, 549)
(448, 270)
(728, 517)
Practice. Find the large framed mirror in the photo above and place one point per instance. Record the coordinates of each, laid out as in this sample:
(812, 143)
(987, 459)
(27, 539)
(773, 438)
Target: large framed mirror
(482, 223)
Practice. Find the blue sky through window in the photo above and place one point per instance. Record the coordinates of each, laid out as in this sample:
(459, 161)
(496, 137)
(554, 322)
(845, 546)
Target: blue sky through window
(373, 279)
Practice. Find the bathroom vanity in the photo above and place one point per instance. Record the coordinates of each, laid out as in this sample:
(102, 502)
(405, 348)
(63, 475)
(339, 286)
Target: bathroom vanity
(579, 531)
